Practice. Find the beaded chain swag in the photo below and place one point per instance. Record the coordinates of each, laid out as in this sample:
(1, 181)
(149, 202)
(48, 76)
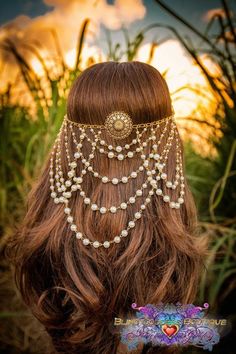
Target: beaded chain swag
(118, 125)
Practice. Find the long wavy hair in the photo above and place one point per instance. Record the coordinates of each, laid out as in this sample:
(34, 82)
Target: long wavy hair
(76, 291)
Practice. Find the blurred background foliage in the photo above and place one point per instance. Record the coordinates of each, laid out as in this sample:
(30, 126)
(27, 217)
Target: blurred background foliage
(27, 133)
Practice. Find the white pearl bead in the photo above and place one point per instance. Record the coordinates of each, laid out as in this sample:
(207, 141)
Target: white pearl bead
(110, 154)
(180, 200)
(110, 147)
(177, 205)
(137, 215)
(95, 174)
(153, 182)
(82, 193)
(102, 142)
(86, 201)
(101, 150)
(143, 206)
(141, 168)
(113, 209)
(68, 183)
(147, 200)
(143, 157)
(56, 200)
(67, 210)
(139, 192)
(70, 174)
(96, 244)
(134, 174)
(106, 244)
(172, 204)
(103, 210)
(151, 192)
(118, 148)
(163, 175)
(127, 146)
(117, 239)
(70, 219)
(130, 154)
(168, 184)
(86, 241)
(131, 224)
(105, 179)
(83, 172)
(94, 207)
(73, 164)
(159, 191)
(67, 194)
(73, 227)
(166, 198)
(74, 187)
(120, 157)
(156, 156)
(124, 179)
(115, 180)
(61, 199)
(79, 235)
(53, 195)
(124, 233)
(79, 180)
(132, 200)
(123, 205)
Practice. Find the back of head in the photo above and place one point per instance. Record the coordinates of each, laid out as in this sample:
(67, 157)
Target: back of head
(75, 287)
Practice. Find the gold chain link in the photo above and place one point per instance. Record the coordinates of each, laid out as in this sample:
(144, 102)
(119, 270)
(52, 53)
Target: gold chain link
(101, 126)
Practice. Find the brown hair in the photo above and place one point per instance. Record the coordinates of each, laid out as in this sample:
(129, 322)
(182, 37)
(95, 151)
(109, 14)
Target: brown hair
(76, 291)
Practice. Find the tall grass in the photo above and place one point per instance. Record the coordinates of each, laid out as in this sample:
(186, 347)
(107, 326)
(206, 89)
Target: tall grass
(220, 47)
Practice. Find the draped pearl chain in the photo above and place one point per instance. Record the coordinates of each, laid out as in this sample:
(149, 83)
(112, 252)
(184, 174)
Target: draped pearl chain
(153, 164)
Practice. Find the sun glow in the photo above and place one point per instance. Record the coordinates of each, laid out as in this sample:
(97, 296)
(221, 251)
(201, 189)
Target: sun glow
(188, 86)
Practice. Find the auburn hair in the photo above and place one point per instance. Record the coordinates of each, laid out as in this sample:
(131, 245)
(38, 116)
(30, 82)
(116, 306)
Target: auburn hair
(76, 291)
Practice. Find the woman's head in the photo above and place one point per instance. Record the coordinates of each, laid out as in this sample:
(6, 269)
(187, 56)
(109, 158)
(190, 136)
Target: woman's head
(135, 88)
(69, 285)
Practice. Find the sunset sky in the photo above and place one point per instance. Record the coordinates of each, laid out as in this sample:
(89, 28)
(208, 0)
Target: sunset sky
(25, 22)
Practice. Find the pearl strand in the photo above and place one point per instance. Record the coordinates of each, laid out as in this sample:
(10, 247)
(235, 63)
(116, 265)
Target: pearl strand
(131, 224)
(106, 244)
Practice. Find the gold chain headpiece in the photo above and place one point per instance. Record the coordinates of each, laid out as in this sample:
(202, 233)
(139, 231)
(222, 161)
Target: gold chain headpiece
(154, 164)
(119, 124)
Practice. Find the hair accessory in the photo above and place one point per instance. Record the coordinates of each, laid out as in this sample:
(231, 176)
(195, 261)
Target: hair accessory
(119, 125)
(153, 152)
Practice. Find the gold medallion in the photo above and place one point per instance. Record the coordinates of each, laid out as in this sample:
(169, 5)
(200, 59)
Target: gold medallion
(119, 125)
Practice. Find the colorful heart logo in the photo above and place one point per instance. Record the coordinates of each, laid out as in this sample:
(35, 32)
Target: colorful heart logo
(170, 330)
